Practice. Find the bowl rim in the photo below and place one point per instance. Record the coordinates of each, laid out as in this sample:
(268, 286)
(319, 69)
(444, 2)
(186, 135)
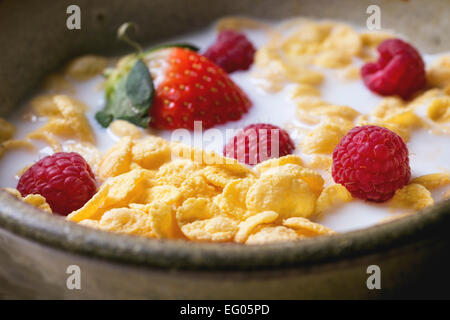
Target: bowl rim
(53, 231)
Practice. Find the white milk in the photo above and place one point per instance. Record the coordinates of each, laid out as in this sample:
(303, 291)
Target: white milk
(428, 153)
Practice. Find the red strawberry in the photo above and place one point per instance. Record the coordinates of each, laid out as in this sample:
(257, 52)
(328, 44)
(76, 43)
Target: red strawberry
(189, 88)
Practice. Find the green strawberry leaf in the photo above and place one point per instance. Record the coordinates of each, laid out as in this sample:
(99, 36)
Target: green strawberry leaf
(129, 94)
(129, 89)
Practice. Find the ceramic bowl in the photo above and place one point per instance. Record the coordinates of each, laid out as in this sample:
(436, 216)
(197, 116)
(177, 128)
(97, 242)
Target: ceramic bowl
(36, 249)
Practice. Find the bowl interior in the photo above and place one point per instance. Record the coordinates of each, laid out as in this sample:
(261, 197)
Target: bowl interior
(37, 41)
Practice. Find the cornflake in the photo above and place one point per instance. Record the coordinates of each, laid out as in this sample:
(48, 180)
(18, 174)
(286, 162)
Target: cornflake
(272, 234)
(35, 200)
(412, 196)
(246, 227)
(86, 67)
(325, 137)
(122, 128)
(291, 183)
(332, 196)
(66, 119)
(438, 75)
(307, 228)
(433, 181)
(439, 110)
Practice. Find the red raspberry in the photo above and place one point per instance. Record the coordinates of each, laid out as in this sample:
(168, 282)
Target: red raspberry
(255, 144)
(371, 162)
(399, 70)
(64, 179)
(232, 51)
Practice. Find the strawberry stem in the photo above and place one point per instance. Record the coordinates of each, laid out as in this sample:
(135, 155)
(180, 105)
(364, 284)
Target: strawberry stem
(122, 35)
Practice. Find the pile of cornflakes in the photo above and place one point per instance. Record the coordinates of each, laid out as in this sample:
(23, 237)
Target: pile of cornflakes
(161, 189)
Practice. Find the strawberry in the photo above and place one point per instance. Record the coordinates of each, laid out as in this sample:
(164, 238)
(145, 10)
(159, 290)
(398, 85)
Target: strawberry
(189, 87)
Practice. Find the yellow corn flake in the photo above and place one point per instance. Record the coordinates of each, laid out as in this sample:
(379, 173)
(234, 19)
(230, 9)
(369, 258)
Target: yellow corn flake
(6, 130)
(35, 200)
(195, 185)
(86, 67)
(57, 83)
(287, 183)
(47, 137)
(270, 72)
(304, 76)
(343, 39)
(194, 209)
(117, 160)
(278, 162)
(373, 39)
(38, 201)
(116, 192)
(312, 110)
(333, 59)
(325, 137)
(166, 193)
(320, 162)
(221, 175)
(151, 152)
(233, 198)
(439, 110)
(200, 156)
(15, 144)
(438, 75)
(246, 227)
(124, 220)
(433, 181)
(176, 172)
(331, 197)
(163, 222)
(66, 118)
(122, 128)
(311, 177)
(333, 45)
(393, 110)
(301, 90)
(272, 234)
(216, 229)
(388, 106)
(406, 119)
(412, 196)
(424, 98)
(307, 228)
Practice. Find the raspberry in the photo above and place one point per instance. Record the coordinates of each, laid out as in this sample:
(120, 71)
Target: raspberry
(64, 179)
(399, 70)
(254, 144)
(232, 51)
(371, 162)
